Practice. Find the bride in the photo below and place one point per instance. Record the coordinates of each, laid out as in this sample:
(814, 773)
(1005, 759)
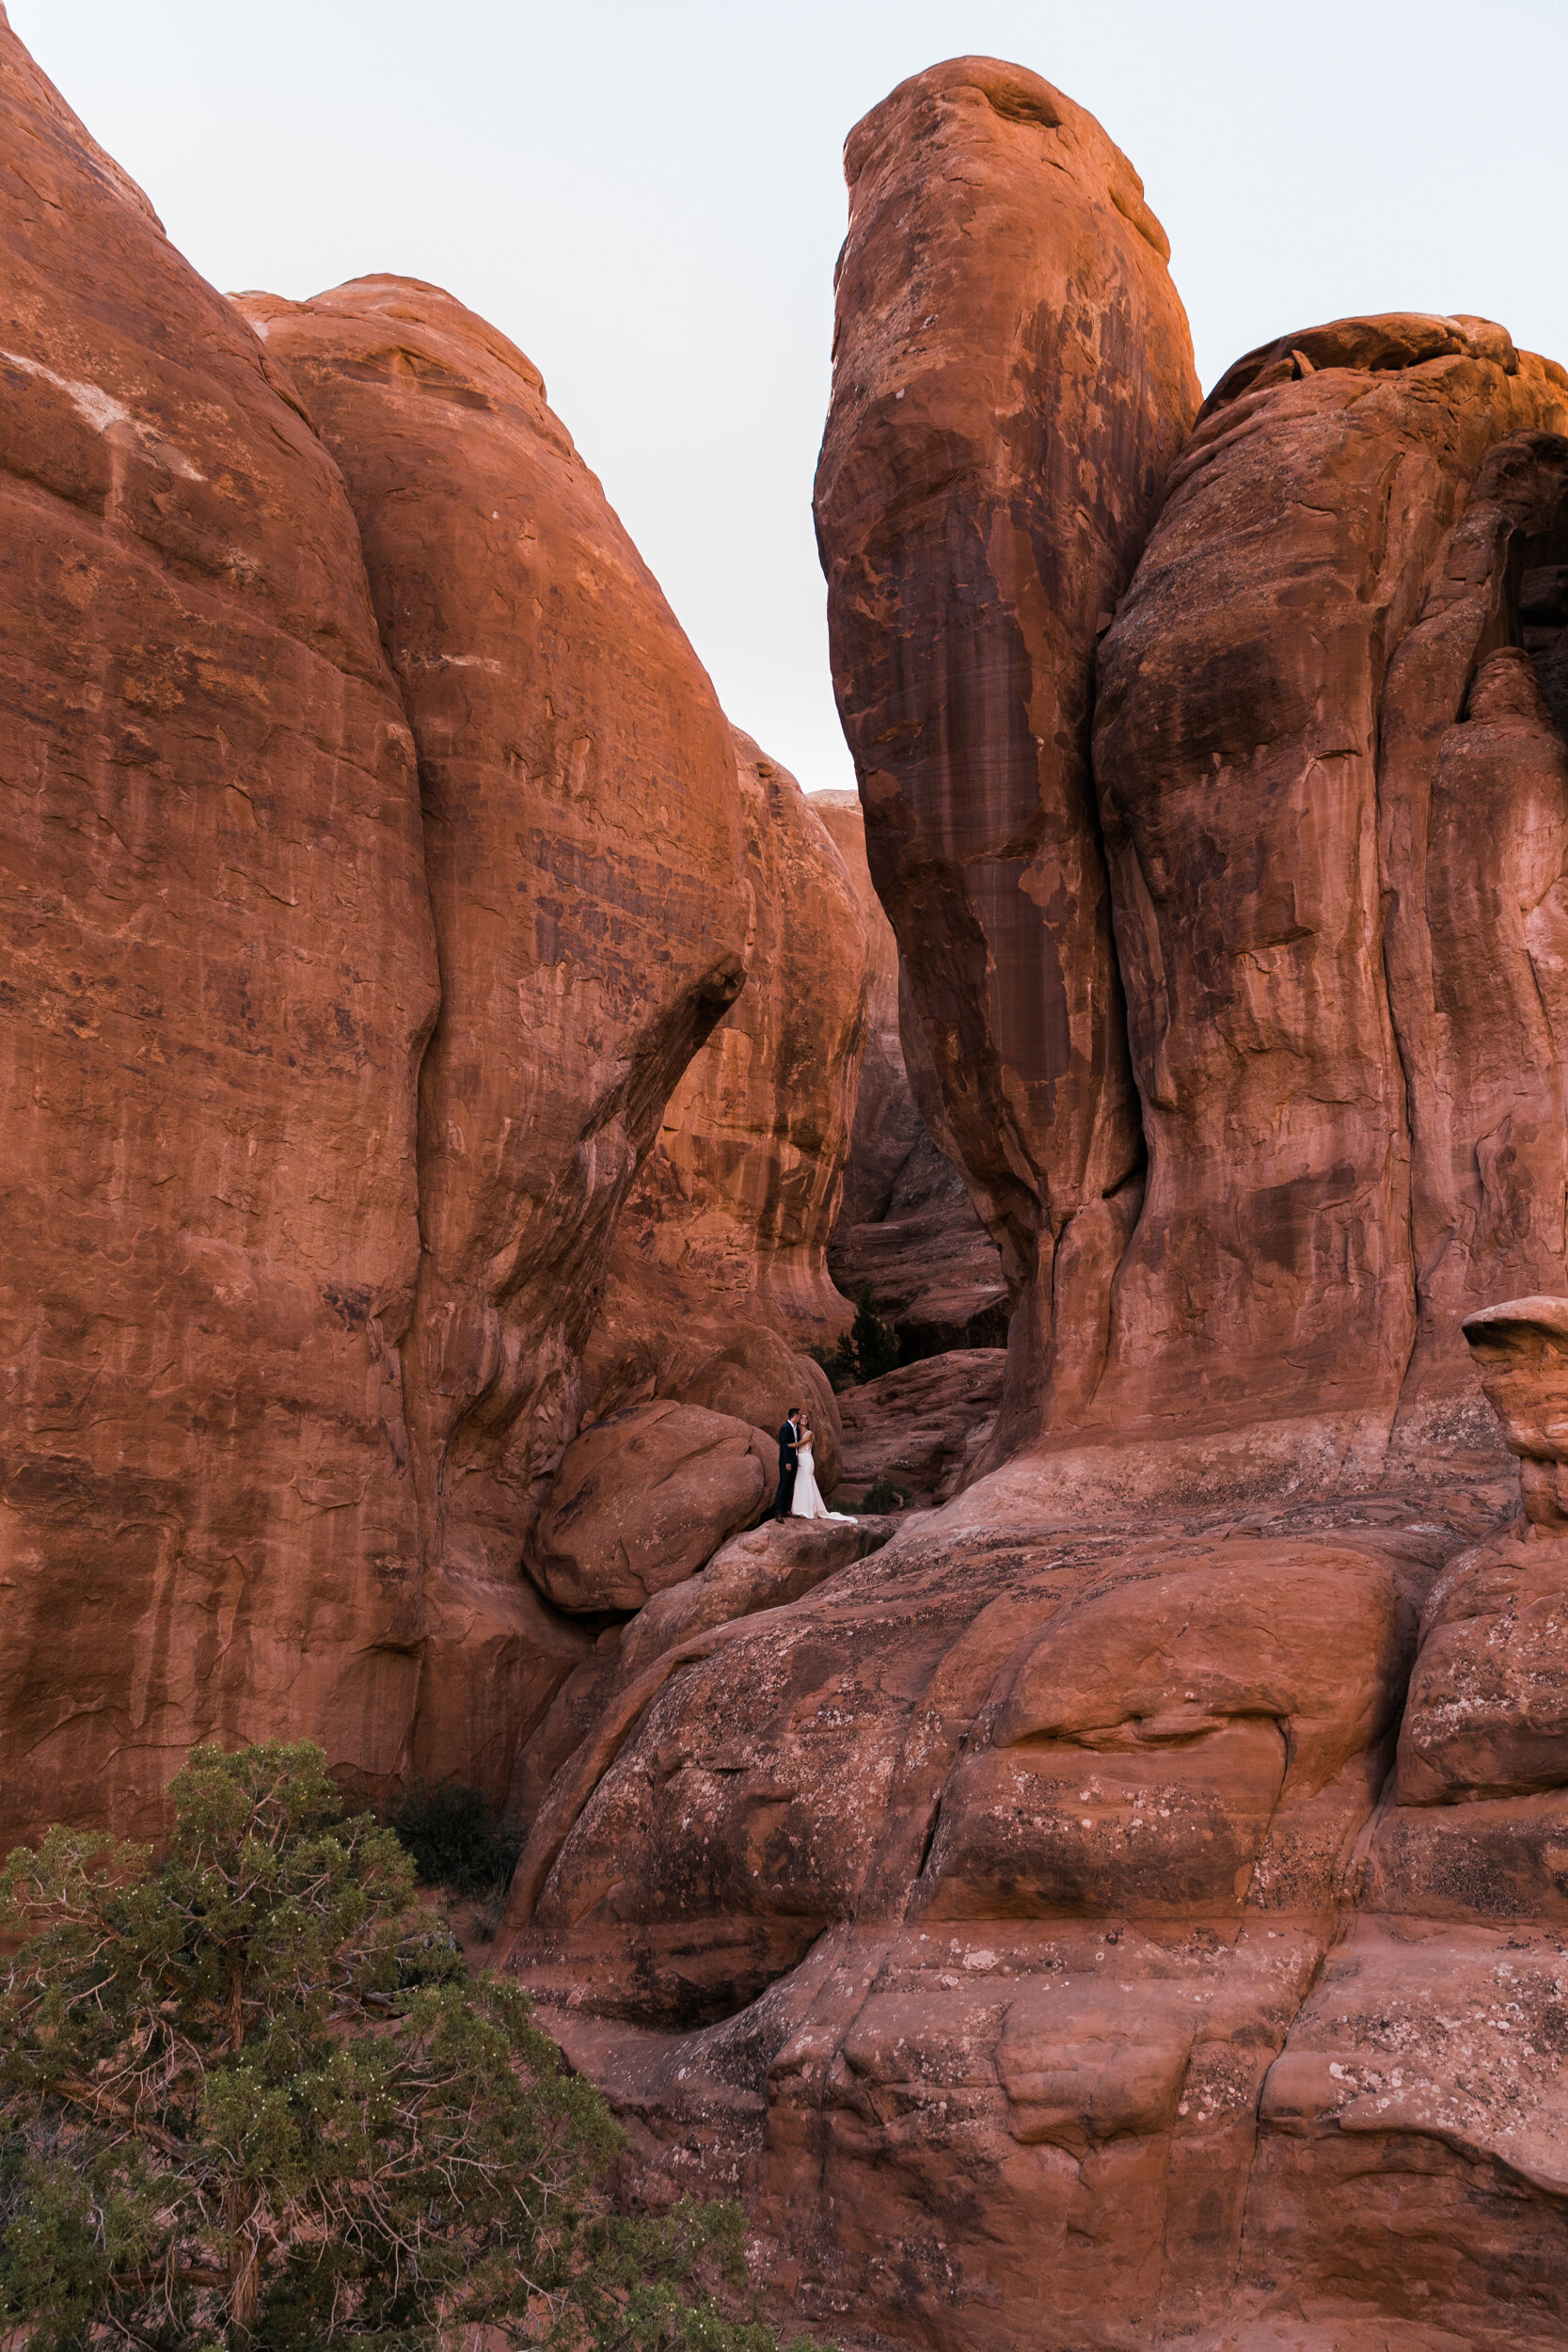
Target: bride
(808, 1502)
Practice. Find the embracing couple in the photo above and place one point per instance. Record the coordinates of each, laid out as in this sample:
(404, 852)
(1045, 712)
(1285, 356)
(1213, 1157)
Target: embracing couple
(799, 1496)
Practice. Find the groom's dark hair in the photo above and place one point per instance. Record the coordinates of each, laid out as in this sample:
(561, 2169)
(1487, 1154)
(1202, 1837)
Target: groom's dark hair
(793, 1410)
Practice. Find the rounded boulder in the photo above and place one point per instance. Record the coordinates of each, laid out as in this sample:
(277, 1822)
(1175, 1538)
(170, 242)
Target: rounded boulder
(643, 1498)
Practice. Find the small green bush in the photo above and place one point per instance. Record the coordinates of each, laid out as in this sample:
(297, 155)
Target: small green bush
(250, 2101)
(452, 1835)
(872, 1343)
(870, 1347)
(837, 1362)
(885, 1496)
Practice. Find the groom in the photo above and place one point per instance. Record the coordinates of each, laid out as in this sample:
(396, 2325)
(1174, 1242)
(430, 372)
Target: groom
(789, 1456)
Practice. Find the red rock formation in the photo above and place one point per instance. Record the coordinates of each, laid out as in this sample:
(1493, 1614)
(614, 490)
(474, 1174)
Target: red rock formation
(1334, 816)
(1063, 1925)
(1012, 379)
(719, 1276)
(1001, 1866)
(310, 1449)
(219, 978)
(643, 1500)
(583, 842)
(926, 1425)
(906, 1228)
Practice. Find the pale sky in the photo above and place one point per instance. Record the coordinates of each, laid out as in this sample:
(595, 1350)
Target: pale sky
(649, 201)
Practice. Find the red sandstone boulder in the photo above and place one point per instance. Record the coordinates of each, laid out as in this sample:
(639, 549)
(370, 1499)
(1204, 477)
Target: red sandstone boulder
(758, 1378)
(640, 1501)
(766, 1567)
(763, 1568)
(1487, 1712)
(220, 973)
(583, 845)
(924, 1426)
(1012, 380)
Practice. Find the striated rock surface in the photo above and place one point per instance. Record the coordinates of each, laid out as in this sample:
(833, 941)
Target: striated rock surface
(1012, 380)
(220, 972)
(906, 1228)
(583, 841)
(1333, 808)
(924, 1426)
(719, 1278)
(1049, 1898)
(763, 1568)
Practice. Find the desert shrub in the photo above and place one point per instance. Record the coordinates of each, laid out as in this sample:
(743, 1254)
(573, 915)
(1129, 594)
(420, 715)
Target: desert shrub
(453, 1836)
(865, 1351)
(250, 2102)
(886, 1496)
(872, 1343)
(838, 1363)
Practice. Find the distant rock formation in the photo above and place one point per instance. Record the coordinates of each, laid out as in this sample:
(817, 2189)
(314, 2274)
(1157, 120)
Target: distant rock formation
(906, 1228)
(924, 1426)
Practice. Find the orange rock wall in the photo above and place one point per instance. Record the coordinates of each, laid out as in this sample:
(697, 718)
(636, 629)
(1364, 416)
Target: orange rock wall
(220, 976)
(719, 1276)
(1333, 808)
(584, 845)
(376, 859)
(906, 1228)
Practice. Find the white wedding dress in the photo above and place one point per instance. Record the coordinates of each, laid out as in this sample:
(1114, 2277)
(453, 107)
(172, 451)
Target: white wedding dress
(808, 1502)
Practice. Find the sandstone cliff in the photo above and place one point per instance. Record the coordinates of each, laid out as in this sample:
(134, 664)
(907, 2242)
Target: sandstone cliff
(1334, 807)
(220, 977)
(583, 842)
(377, 855)
(719, 1278)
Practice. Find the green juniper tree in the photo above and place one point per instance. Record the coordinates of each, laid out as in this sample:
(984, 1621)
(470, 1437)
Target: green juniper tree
(251, 2100)
(872, 1343)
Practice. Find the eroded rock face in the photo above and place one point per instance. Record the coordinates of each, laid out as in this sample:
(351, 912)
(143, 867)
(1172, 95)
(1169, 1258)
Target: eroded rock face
(906, 1228)
(291, 1015)
(991, 1878)
(719, 1276)
(1050, 1899)
(924, 1426)
(1012, 380)
(1100, 1915)
(583, 841)
(1306, 702)
(219, 978)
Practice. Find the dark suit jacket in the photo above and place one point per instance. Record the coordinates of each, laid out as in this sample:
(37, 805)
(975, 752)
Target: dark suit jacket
(789, 1451)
